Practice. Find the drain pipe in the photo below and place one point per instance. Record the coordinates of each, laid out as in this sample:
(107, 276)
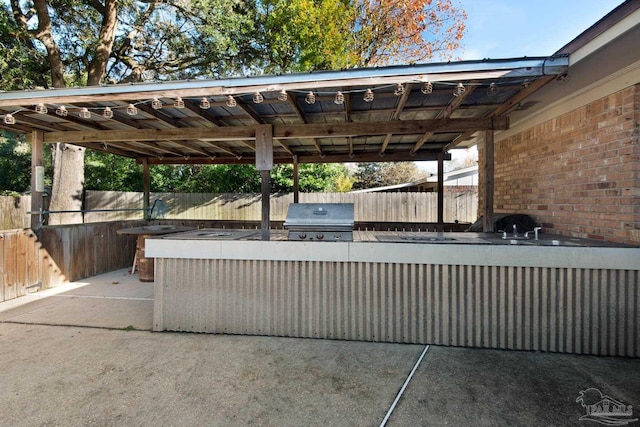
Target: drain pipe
(404, 386)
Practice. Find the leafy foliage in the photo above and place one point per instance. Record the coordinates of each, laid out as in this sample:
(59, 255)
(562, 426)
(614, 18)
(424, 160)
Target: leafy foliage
(15, 164)
(371, 175)
(113, 173)
(62, 42)
(15, 160)
(104, 171)
(406, 30)
(131, 40)
(305, 35)
(21, 65)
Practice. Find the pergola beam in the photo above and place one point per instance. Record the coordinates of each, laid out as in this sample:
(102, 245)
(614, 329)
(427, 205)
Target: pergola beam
(285, 131)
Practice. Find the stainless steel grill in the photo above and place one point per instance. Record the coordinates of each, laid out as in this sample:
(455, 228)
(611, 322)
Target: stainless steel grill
(320, 221)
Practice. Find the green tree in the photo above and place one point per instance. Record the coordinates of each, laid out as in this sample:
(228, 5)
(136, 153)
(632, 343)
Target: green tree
(371, 175)
(91, 42)
(305, 35)
(15, 160)
(21, 64)
(313, 177)
(108, 172)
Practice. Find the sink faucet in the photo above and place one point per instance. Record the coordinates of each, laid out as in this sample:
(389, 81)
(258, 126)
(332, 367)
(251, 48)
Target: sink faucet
(535, 231)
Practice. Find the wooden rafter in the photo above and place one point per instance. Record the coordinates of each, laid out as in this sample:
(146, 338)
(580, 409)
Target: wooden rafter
(205, 114)
(160, 115)
(195, 147)
(512, 102)
(455, 102)
(284, 146)
(296, 107)
(40, 124)
(504, 108)
(225, 150)
(128, 149)
(241, 104)
(396, 115)
(159, 146)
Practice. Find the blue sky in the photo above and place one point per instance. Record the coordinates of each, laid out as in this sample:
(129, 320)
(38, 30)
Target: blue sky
(515, 28)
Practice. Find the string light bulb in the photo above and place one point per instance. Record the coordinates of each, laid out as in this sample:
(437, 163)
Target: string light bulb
(107, 113)
(84, 113)
(132, 110)
(204, 103)
(62, 111)
(178, 103)
(9, 119)
(368, 96)
(231, 101)
(310, 98)
(460, 89)
(339, 99)
(41, 109)
(399, 90)
(492, 90)
(427, 88)
(156, 104)
(257, 98)
(282, 96)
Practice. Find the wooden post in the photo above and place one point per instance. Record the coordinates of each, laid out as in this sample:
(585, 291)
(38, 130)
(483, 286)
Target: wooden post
(266, 205)
(487, 211)
(37, 178)
(440, 226)
(146, 188)
(264, 163)
(296, 180)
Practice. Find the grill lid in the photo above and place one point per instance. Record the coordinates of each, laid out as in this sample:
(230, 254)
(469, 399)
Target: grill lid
(320, 216)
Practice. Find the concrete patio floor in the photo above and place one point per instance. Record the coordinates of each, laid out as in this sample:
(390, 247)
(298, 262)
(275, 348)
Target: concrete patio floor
(84, 355)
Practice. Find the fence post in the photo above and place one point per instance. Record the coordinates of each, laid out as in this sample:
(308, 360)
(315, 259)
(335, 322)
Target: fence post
(37, 178)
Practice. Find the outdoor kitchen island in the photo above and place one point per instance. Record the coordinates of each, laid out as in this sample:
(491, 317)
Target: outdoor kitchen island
(458, 289)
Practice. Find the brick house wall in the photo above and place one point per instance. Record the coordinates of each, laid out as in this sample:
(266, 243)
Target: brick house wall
(578, 174)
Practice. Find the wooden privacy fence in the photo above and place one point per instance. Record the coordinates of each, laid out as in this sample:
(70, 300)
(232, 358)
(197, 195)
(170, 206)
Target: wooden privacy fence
(13, 212)
(61, 254)
(369, 207)
(25, 265)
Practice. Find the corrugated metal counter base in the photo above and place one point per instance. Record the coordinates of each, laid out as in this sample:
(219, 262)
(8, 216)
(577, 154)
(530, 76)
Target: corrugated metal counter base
(568, 310)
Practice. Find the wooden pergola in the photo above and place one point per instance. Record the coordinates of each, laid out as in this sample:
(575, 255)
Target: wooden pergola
(397, 113)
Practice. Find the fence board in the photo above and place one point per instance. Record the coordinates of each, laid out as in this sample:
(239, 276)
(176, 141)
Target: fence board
(369, 207)
(109, 206)
(13, 212)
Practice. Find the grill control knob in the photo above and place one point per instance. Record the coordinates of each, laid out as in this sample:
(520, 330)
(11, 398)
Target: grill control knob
(319, 236)
(302, 236)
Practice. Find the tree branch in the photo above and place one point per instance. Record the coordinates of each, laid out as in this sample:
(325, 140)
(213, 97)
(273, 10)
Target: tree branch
(45, 35)
(98, 65)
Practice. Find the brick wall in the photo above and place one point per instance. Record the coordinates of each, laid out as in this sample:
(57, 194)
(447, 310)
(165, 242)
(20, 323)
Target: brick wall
(578, 174)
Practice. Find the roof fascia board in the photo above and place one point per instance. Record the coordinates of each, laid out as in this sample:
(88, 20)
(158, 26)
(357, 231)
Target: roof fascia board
(621, 27)
(626, 77)
(454, 71)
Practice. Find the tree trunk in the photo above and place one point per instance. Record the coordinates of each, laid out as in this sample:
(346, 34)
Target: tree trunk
(68, 160)
(68, 181)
